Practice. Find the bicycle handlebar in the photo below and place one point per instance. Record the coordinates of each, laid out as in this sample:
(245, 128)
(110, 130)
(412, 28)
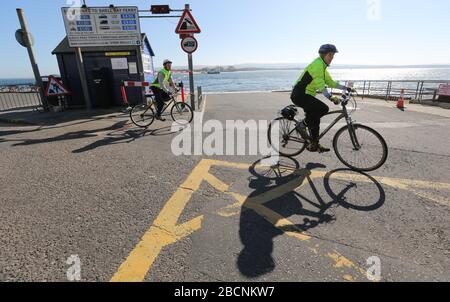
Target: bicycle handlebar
(347, 96)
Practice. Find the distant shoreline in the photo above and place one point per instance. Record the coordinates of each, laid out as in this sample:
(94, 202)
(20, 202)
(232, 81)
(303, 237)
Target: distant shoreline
(237, 69)
(281, 68)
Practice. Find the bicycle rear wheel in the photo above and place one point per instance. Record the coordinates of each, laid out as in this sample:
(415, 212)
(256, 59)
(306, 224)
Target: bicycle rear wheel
(370, 155)
(182, 113)
(284, 138)
(142, 116)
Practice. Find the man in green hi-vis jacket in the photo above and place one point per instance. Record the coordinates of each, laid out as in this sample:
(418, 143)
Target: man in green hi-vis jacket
(315, 79)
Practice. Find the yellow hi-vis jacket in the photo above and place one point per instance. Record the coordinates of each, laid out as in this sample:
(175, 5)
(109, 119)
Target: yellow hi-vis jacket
(315, 78)
(163, 75)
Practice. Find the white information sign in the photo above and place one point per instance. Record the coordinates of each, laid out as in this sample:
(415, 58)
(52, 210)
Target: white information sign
(132, 68)
(102, 26)
(119, 63)
(147, 61)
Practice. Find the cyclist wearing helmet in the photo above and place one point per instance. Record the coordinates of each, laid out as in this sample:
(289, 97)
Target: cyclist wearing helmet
(315, 78)
(160, 88)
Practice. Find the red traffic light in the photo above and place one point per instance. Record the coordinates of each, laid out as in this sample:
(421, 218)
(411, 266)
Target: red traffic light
(160, 9)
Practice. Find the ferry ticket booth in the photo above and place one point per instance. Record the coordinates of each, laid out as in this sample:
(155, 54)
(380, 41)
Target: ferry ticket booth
(106, 68)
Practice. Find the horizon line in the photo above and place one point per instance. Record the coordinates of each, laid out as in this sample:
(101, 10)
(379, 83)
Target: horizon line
(226, 65)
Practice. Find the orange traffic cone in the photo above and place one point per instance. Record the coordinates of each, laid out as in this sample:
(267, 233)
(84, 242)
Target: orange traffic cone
(401, 100)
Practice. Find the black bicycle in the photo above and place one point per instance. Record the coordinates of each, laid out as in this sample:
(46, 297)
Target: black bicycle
(357, 146)
(143, 115)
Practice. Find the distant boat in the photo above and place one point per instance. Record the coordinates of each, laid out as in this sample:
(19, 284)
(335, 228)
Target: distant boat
(214, 71)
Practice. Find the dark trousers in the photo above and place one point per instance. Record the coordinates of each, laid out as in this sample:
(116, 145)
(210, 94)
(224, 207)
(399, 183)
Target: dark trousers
(160, 98)
(314, 111)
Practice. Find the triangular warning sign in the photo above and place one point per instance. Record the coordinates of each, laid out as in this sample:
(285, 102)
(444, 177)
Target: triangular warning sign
(187, 24)
(55, 87)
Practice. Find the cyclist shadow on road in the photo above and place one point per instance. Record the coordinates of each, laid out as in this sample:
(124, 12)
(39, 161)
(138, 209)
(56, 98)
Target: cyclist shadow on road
(127, 137)
(275, 199)
(74, 135)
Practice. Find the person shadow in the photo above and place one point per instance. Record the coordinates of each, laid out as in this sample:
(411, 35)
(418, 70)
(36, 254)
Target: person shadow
(257, 233)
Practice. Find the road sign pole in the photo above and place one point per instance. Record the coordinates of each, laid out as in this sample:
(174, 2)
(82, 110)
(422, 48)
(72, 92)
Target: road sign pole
(191, 80)
(191, 71)
(81, 71)
(34, 65)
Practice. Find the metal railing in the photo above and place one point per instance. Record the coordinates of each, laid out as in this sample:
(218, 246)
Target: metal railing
(19, 96)
(420, 90)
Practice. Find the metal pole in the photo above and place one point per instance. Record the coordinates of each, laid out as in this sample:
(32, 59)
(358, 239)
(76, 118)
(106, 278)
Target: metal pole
(417, 91)
(191, 81)
(34, 65)
(387, 91)
(140, 63)
(200, 96)
(364, 90)
(82, 72)
(191, 72)
(421, 92)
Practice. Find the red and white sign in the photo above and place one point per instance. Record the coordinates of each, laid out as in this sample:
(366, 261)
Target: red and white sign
(444, 90)
(55, 87)
(189, 44)
(187, 24)
(136, 84)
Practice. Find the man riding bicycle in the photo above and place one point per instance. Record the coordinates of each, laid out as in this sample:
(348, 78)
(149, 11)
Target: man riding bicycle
(160, 88)
(315, 78)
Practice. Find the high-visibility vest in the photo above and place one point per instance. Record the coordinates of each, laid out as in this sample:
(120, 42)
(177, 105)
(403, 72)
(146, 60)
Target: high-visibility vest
(315, 78)
(167, 75)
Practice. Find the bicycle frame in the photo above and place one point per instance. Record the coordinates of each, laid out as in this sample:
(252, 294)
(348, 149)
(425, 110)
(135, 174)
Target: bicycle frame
(172, 101)
(343, 114)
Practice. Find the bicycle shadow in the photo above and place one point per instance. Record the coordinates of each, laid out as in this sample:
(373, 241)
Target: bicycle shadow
(75, 135)
(111, 138)
(257, 233)
(166, 130)
(126, 137)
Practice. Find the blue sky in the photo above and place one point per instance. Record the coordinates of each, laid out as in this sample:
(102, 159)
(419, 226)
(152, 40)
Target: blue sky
(256, 31)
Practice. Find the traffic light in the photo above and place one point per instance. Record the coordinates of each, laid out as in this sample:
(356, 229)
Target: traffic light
(160, 9)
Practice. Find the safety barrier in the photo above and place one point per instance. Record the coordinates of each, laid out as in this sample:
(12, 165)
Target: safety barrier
(19, 96)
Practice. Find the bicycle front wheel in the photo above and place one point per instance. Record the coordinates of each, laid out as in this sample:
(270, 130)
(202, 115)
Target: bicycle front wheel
(366, 152)
(142, 116)
(284, 138)
(182, 113)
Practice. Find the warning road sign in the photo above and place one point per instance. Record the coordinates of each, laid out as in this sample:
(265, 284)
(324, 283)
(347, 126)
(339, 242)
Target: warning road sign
(187, 24)
(55, 88)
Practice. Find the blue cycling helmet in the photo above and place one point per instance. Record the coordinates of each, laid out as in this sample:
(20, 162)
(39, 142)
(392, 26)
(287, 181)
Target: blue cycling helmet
(327, 48)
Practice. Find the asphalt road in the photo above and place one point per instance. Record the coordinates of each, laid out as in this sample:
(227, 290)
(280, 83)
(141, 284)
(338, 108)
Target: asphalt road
(118, 199)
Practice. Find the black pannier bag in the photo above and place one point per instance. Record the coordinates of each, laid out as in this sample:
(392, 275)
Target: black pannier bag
(289, 112)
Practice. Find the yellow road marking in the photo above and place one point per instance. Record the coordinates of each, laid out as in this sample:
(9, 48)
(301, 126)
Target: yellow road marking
(349, 278)
(166, 231)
